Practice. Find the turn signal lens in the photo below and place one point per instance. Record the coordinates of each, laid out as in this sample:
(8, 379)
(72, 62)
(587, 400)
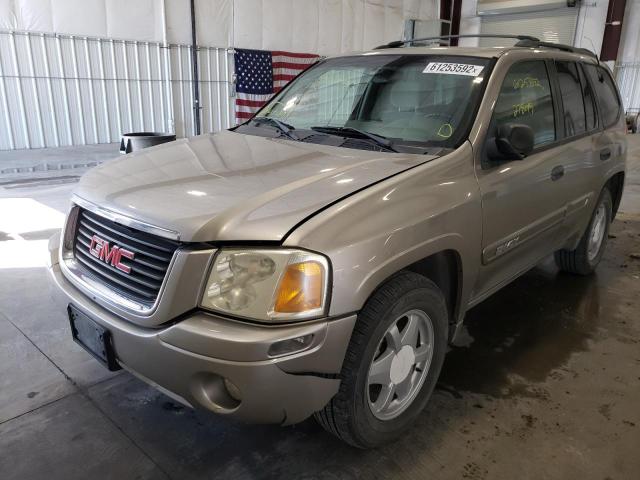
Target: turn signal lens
(301, 288)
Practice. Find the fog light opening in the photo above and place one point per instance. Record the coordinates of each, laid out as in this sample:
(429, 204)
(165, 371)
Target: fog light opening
(291, 345)
(216, 392)
(232, 390)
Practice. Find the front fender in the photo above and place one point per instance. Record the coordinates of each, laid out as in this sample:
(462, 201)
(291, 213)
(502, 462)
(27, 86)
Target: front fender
(391, 225)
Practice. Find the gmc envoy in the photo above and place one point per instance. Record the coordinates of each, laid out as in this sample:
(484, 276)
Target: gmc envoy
(317, 259)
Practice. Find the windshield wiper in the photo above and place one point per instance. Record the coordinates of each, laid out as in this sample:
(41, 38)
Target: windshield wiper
(378, 139)
(284, 128)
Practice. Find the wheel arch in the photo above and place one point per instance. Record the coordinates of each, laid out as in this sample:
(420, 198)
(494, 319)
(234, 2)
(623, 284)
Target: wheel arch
(444, 268)
(615, 184)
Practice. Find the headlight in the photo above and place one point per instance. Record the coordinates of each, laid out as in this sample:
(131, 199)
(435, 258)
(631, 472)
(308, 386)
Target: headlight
(269, 284)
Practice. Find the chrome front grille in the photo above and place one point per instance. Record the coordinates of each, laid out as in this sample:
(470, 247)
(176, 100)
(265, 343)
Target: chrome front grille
(152, 256)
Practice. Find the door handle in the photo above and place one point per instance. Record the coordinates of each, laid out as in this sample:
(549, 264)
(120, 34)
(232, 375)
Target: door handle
(605, 154)
(557, 172)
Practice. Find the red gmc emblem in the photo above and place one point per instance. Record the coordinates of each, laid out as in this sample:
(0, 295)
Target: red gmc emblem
(112, 255)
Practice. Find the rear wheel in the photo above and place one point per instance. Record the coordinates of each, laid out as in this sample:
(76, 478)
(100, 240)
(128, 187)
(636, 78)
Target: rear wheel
(585, 258)
(392, 363)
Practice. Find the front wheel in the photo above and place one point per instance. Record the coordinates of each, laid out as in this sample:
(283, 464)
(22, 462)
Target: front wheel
(392, 364)
(585, 258)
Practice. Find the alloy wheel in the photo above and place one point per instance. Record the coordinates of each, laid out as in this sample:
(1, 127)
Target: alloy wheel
(598, 229)
(400, 365)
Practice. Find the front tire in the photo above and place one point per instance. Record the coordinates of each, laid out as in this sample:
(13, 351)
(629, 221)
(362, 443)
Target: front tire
(392, 363)
(586, 257)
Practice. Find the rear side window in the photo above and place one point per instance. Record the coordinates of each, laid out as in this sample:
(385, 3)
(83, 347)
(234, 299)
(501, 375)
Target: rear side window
(589, 102)
(572, 100)
(607, 94)
(525, 98)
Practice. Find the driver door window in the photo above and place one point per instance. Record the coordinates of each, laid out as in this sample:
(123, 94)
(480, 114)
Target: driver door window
(525, 98)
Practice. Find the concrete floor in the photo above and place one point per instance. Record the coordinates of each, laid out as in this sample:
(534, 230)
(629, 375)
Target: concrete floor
(544, 384)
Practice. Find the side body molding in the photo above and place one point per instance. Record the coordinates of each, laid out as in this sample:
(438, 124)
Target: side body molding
(522, 236)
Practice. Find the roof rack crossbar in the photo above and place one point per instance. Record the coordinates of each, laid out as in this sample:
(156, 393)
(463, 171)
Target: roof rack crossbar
(400, 43)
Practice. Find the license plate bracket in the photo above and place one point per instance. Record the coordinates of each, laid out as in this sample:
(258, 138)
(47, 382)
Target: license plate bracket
(93, 337)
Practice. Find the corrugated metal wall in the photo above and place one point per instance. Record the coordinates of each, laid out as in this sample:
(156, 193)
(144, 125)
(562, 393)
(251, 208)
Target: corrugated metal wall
(628, 79)
(58, 90)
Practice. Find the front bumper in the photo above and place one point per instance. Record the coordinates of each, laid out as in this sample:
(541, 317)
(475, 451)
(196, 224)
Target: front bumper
(190, 359)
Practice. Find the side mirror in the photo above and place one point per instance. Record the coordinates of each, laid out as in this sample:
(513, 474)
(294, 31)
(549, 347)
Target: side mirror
(513, 141)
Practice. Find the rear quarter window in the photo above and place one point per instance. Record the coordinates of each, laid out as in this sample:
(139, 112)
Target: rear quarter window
(607, 93)
(589, 101)
(572, 98)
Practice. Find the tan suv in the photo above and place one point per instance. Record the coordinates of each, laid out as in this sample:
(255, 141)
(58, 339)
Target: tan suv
(318, 258)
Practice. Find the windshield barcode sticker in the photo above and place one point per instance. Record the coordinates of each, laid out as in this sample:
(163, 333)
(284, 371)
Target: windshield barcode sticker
(454, 69)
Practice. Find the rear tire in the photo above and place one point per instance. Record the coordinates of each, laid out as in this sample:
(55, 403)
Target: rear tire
(586, 257)
(399, 341)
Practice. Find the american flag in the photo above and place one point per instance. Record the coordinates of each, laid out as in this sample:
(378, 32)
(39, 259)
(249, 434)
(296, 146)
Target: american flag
(261, 74)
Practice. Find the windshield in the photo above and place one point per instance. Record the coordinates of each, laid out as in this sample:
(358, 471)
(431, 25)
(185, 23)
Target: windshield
(404, 99)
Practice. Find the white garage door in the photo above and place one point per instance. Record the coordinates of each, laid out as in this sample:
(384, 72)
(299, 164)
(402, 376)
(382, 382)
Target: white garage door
(557, 25)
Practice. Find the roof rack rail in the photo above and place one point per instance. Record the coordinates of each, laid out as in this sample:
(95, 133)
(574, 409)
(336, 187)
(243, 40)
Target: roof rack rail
(400, 43)
(557, 46)
(523, 41)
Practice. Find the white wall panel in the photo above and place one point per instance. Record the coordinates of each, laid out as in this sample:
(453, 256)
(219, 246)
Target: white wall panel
(8, 19)
(411, 8)
(374, 25)
(429, 9)
(79, 17)
(306, 23)
(324, 26)
(331, 26)
(277, 34)
(320, 26)
(178, 21)
(124, 17)
(352, 25)
(36, 15)
(422, 9)
(393, 23)
(130, 19)
(214, 22)
(247, 23)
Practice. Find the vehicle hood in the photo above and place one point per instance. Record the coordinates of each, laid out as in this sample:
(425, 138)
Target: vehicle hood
(234, 187)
